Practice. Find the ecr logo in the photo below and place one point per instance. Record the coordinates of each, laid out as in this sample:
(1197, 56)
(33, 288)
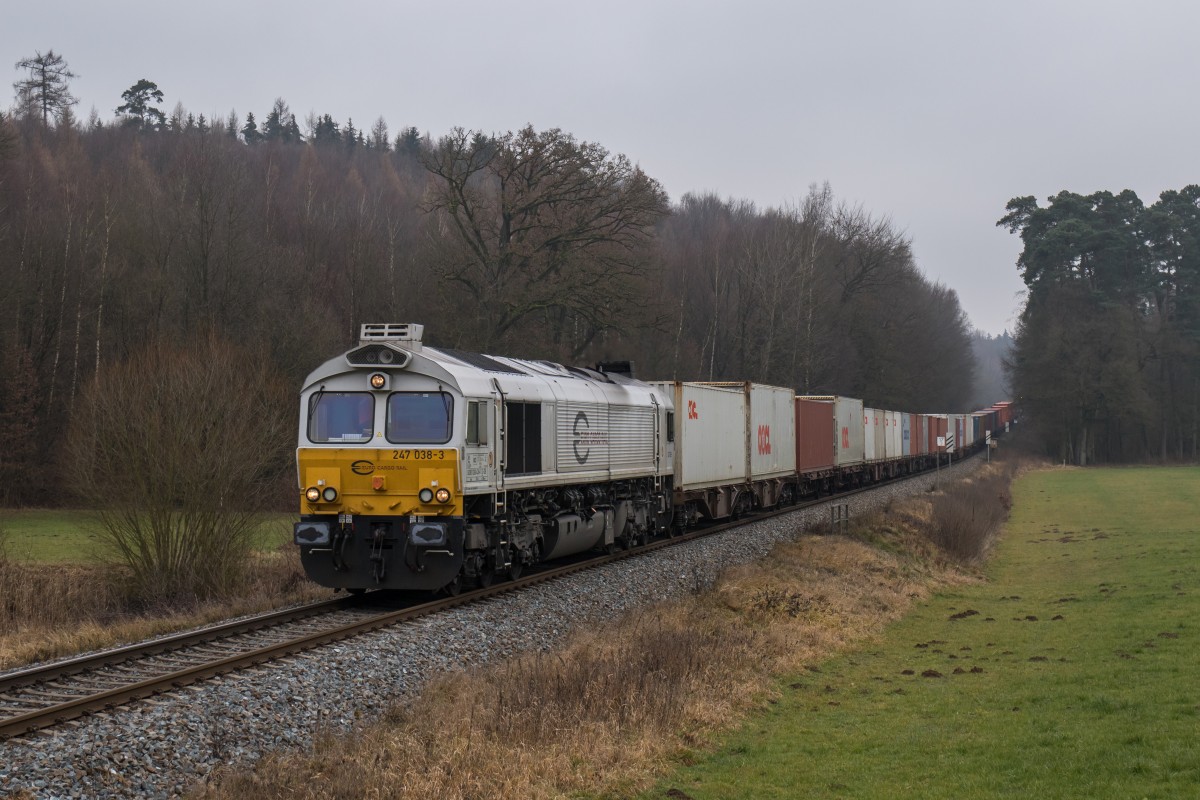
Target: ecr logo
(581, 419)
(586, 438)
(362, 467)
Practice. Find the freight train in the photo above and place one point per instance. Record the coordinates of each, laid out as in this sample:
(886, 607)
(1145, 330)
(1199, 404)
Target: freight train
(436, 469)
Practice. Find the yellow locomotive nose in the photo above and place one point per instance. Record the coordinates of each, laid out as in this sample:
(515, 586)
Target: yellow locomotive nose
(357, 480)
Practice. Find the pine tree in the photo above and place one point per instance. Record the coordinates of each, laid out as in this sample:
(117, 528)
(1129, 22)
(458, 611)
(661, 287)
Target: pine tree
(45, 92)
(138, 109)
(250, 131)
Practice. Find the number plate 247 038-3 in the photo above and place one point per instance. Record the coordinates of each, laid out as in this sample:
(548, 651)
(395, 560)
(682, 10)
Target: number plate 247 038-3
(418, 455)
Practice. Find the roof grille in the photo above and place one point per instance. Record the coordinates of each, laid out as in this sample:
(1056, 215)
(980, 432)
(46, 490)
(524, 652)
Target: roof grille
(391, 332)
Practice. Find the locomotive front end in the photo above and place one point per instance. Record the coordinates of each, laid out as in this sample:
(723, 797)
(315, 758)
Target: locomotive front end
(381, 503)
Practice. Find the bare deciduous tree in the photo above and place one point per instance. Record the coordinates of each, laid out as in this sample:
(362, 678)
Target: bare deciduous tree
(542, 228)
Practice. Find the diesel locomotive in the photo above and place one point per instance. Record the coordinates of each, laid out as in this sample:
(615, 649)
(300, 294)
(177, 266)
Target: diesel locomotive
(432, 468)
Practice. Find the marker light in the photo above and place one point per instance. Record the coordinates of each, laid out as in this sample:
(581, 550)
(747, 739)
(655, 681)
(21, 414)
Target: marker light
(426, 495)
(330, 494)
(443, 495)
(313, 494)
(378, 380)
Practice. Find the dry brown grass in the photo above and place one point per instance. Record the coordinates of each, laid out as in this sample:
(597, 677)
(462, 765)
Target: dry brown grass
(611, 710)
(53, 610)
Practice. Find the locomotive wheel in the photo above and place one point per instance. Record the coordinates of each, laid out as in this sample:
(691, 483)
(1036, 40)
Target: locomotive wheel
(486, 577)
(453, 587)
(514, 570)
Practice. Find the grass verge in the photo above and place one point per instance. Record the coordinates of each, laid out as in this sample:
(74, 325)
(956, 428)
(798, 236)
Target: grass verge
(1070, 673)
(55, 610)
(63, 536)
(617, 706)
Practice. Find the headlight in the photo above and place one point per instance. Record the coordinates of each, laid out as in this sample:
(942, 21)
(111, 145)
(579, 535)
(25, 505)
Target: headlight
(443, 495)
(378, 381)
(426, 495)
(313, 494)
(330, 494)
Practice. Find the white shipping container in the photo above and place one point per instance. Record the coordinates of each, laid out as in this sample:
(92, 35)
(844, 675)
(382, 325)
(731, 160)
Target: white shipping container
(710, 433)
(851, 435)
(906, 434)
(870, 416)
(772, 431)
(892, 431)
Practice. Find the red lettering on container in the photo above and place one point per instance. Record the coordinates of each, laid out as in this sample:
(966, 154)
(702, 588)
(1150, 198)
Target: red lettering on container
(693, 412)
(764, 440)
(846, 437)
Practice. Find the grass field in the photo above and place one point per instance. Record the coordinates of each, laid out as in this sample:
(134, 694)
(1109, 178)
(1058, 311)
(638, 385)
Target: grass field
(56, 536)
(1072, 672)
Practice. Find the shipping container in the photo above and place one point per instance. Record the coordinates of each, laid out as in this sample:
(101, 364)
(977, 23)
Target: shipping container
(731, 433)
(816, 435)
(938, 424)
(772, 431)
(870, 422)
(891, 430)
(906, 434)
(850, 440)
(710, 434)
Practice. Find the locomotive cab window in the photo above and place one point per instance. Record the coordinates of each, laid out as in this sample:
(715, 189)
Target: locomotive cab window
(419, 417)
(341, 417)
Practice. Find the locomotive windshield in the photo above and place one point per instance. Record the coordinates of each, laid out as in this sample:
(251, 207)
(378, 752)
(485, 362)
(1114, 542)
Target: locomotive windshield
(419, 417)
(341, 417)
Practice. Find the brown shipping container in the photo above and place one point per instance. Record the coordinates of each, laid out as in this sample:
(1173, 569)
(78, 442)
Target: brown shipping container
(815, 430)
(937, 427)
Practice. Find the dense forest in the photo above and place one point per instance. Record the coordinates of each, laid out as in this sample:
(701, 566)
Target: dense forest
(151, 229)
(1106, 362)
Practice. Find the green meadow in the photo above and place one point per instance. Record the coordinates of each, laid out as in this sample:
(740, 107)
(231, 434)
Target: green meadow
(63, 536)
(1072, 671)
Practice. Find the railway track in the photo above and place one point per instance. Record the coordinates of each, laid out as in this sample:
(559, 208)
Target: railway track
(52, 694)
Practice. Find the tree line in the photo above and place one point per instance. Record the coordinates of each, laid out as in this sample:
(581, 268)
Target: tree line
(1107, 352)
(153, 231)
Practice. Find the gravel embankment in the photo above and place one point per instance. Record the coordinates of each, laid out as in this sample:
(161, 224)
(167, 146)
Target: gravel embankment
(158, 748)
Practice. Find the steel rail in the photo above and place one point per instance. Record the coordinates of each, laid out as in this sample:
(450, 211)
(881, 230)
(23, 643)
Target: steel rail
(106, 658)
(41, 718)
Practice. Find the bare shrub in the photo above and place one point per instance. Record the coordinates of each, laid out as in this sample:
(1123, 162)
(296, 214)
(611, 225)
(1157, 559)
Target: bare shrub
(965, 518)
(175, 448)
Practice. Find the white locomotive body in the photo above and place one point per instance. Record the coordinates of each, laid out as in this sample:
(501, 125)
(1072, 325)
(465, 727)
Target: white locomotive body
(423, 467)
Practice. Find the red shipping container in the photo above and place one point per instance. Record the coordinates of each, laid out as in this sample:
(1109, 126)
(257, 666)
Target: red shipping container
(816, 448)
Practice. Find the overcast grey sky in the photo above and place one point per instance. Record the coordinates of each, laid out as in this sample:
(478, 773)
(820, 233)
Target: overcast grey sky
(932, 113)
